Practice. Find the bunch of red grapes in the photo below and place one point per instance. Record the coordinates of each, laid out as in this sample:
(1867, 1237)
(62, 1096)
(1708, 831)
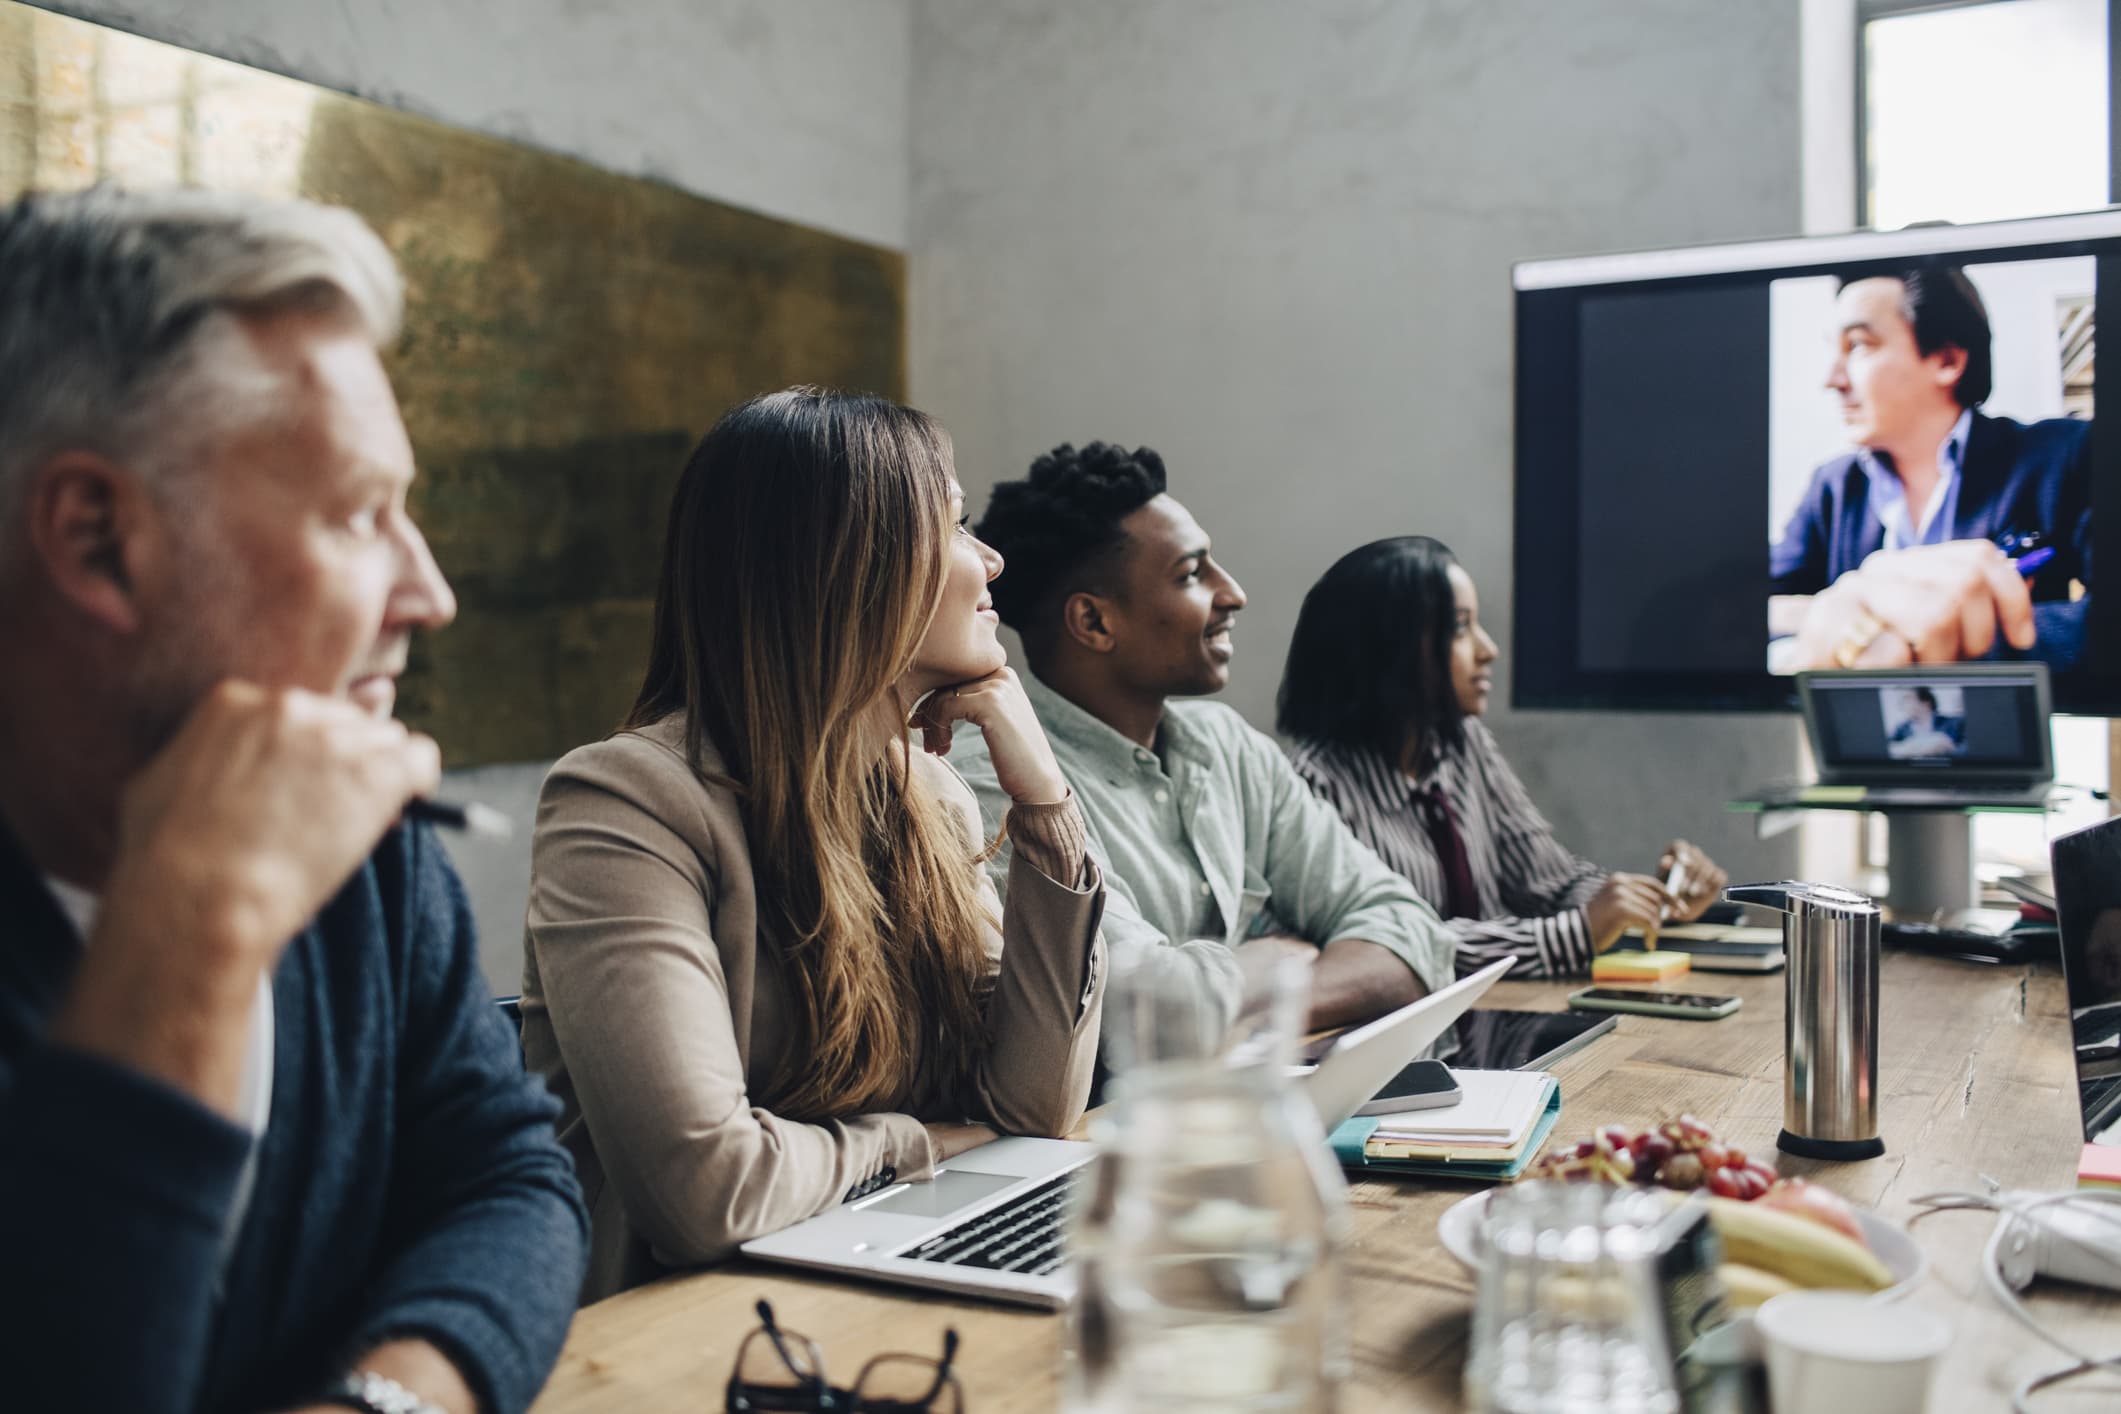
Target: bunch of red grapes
(1681, 1153)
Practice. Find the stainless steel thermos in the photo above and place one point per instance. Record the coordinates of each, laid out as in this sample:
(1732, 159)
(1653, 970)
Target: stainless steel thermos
(1830, 1023)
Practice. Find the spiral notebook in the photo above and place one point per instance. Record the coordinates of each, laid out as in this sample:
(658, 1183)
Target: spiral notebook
(1494, 1131)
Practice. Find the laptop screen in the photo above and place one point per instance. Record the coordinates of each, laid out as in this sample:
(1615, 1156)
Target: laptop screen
(2088, 904)
(1920, 724)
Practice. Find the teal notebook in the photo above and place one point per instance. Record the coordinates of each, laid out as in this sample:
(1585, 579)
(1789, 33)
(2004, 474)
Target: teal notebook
(1349, 1140)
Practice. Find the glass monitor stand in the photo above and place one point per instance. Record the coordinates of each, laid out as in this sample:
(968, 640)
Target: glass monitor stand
(1929, 862)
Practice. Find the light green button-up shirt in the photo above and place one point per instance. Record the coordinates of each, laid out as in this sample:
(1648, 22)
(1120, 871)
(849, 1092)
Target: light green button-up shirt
(1209, 840)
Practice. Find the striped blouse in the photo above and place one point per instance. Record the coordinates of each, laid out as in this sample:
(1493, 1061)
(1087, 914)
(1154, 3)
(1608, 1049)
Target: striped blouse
(1531, 889)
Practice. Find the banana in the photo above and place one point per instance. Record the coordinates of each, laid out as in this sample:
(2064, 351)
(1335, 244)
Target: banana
(1745, 1288)
(1806, 1253)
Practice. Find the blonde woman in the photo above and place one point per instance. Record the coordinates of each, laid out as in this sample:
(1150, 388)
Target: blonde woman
(763, 967)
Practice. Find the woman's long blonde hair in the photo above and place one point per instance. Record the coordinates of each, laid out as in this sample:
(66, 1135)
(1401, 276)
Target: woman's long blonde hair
(805, 557)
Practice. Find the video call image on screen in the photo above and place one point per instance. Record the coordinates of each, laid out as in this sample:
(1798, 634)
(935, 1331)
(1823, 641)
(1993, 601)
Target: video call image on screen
(1923, 723)
(1878, 444)
(1735, 463)
(1915, 724)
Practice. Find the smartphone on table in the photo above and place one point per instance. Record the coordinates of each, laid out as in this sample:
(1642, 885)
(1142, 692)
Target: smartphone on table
(1687, 1006)
(1422, 1085)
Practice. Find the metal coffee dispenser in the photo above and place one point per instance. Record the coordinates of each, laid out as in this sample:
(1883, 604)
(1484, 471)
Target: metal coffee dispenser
(1830, 1021)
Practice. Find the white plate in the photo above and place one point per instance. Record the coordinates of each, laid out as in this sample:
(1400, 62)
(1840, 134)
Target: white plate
(1459, 1228)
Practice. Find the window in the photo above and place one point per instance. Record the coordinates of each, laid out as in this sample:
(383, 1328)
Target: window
(1981, 111)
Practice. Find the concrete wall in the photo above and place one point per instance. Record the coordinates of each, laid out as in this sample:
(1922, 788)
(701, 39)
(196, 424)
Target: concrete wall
(796, 108)
(1273, 241)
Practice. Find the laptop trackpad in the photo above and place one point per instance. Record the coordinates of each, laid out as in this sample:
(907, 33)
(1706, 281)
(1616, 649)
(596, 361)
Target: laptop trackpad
(942, 1195)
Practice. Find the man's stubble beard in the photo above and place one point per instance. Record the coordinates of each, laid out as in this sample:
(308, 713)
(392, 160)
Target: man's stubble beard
(192, 640)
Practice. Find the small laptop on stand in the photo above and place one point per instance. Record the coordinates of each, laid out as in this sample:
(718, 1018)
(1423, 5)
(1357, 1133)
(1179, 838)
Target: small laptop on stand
(991, 1222)
(1946, 736)
(1928, 746)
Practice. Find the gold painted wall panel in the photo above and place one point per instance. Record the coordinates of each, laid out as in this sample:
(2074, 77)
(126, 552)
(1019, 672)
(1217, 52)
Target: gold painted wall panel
(569, 335)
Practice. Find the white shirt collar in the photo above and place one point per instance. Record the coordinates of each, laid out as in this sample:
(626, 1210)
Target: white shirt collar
(78, 904)
(1906, 525)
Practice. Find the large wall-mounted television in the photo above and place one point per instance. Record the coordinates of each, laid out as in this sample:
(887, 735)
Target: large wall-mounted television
(1735, 462)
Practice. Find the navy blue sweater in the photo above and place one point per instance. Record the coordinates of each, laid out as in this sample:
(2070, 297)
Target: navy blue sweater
(409, 1182)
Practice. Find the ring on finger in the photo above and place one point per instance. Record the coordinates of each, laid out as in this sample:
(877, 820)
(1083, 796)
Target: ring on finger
(1862, 632)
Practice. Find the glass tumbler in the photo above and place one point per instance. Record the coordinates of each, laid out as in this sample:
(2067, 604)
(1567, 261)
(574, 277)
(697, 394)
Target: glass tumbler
(1568, 1318)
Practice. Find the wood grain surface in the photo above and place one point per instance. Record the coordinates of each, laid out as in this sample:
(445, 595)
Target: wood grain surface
(1976, 1078)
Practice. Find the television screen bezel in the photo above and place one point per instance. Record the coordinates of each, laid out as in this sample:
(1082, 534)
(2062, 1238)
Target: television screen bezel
(1543, 507)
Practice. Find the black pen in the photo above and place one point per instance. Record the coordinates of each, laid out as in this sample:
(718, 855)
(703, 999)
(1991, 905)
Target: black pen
(470, 816)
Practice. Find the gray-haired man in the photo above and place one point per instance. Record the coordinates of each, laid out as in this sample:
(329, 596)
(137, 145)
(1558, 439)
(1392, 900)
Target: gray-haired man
(264, 1139)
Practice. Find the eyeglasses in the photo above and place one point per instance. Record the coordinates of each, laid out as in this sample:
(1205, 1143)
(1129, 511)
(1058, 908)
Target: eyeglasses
(782, 1370)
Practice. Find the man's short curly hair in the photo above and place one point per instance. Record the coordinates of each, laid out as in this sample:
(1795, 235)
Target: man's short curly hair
(1061, 522)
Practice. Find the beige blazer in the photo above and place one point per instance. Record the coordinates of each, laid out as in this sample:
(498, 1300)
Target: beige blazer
(653, 1005)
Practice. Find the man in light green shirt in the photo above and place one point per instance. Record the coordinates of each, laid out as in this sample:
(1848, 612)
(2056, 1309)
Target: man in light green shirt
(1218, 859)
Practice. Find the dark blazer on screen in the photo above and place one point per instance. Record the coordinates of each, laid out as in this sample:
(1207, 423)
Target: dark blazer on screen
(2016, 479)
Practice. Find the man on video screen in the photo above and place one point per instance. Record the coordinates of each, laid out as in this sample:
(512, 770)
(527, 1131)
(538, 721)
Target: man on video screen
(1945, 534)
(1918, 727)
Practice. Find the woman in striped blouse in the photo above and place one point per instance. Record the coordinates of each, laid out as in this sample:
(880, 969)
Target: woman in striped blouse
(1387, 677)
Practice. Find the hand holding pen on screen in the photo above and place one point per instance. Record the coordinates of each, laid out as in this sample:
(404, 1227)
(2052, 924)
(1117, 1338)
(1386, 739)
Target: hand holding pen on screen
(1927, 604)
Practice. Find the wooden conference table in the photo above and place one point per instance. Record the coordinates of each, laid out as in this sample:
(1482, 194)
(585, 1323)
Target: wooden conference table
(1976, 1078)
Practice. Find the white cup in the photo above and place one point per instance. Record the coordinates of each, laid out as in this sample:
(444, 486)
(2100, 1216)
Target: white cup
(1829, 1351)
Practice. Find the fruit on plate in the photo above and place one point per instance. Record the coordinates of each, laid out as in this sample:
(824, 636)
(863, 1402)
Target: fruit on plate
(1681, 1153)
(1801, 1250)
(1746, 1288)
(1821, 1205)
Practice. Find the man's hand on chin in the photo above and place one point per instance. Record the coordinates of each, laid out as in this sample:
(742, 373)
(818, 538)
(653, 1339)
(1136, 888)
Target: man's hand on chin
(229, 841)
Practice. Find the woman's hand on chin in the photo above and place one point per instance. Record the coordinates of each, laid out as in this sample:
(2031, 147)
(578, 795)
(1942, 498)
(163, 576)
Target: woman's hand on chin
(1016, 743)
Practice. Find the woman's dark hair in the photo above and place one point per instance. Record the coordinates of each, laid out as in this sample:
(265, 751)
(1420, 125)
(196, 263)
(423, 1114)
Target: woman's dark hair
(1062, 520)
(1370, 663)
(1923, 694)
(1945, 310)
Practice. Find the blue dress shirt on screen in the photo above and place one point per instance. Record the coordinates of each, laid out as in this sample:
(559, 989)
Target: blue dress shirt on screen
(1889, 494)
(2013, 480)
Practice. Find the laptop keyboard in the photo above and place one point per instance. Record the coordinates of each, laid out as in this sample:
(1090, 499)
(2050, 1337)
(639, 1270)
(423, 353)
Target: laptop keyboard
(1022, 1235)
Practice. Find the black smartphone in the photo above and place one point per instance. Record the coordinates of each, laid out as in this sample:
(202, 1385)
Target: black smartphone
(1687, 1006)
(1423, 1085)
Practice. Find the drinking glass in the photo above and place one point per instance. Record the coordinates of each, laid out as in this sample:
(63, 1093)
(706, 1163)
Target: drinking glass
(1568, 1318)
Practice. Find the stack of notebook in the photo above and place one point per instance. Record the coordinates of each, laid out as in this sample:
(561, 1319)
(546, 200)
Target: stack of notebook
(1721, 947)
(1494, 1131)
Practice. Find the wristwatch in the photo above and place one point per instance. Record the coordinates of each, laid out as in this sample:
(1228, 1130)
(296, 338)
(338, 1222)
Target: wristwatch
(374, 1394)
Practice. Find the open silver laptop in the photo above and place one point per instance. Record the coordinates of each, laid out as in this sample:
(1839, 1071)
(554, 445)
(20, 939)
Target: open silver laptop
(2087, 867)
(991, 1221)
(1940, 735)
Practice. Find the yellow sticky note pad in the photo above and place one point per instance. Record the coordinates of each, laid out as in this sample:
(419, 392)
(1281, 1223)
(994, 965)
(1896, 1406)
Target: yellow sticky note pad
(1638, 966)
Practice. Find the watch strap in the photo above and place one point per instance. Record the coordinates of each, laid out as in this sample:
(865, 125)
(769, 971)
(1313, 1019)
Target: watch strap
(376, 1394)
